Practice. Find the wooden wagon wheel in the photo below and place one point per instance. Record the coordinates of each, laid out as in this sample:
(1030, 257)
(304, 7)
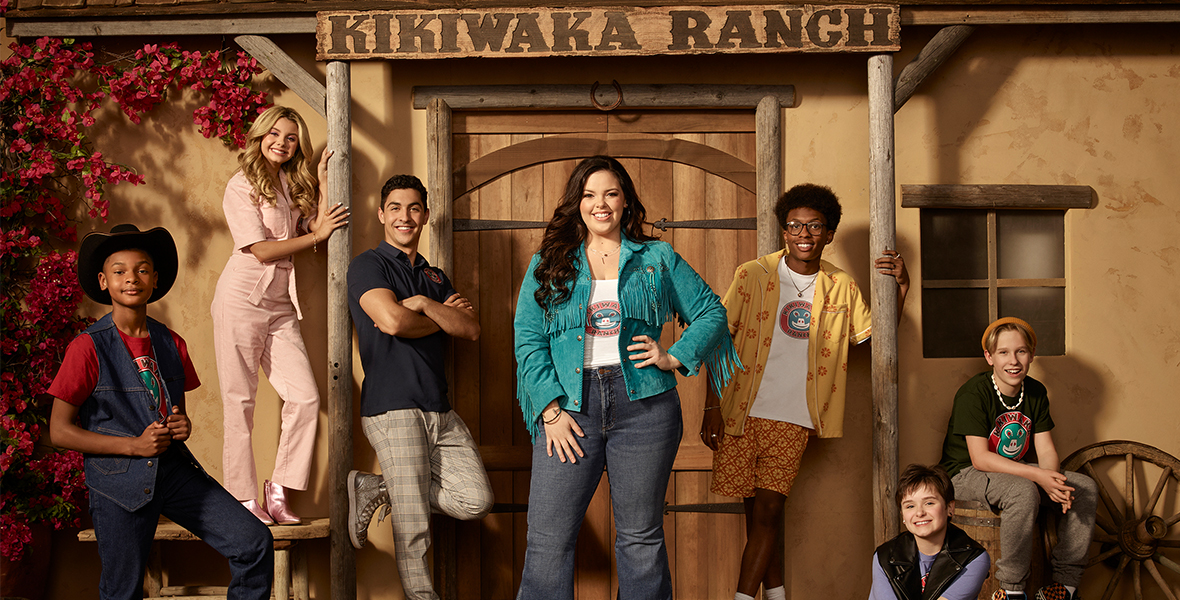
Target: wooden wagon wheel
(1130, 535)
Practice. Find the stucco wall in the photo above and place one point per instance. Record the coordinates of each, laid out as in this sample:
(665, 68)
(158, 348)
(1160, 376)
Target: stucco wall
(1083, 105)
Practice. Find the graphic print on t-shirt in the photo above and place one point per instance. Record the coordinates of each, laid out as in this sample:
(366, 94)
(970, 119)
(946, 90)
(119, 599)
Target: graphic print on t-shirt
(795, 319)
(149, 373)
(603, 319)
(1009, 437)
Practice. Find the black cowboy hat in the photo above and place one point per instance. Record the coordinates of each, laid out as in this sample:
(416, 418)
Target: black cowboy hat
(97, 246)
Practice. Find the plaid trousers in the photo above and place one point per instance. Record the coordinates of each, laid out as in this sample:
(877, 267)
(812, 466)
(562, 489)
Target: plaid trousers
(430, 463)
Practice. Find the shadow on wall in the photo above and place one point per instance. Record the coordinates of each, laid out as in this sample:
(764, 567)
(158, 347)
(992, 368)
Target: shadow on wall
(853, 256)
(1078, 398)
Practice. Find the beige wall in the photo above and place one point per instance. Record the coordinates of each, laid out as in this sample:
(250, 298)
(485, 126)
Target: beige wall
(1040, 105)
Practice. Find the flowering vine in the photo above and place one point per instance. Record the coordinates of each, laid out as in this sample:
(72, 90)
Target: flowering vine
(49, 91)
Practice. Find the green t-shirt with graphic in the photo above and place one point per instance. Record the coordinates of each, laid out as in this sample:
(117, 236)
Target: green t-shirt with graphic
(978, 411)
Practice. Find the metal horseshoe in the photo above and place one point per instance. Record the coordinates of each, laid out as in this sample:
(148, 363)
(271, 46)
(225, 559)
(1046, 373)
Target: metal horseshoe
(604, 107)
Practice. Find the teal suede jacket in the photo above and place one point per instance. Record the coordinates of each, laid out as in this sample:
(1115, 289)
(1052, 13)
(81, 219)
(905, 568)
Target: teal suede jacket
(655, 286)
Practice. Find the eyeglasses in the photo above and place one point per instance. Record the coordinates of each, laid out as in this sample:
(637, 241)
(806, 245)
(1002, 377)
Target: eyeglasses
(795, 227)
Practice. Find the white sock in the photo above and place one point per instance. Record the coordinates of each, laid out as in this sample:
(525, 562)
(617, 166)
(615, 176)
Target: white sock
(741, 596)
(778, 593)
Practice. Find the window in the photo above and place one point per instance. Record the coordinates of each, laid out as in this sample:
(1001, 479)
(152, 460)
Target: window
(990, 252)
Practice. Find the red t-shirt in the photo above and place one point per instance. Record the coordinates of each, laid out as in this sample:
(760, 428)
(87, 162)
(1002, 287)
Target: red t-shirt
(78, 375)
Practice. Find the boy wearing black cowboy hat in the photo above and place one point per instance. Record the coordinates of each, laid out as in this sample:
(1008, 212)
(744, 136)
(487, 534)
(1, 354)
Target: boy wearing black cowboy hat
(119, 399)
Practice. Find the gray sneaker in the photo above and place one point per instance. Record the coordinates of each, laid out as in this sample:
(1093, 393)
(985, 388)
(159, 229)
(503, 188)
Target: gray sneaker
(366, 493)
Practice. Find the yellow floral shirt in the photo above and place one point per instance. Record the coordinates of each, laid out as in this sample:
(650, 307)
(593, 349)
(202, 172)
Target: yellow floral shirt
(840, 317)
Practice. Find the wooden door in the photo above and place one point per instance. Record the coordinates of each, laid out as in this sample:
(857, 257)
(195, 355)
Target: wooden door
(698, 165)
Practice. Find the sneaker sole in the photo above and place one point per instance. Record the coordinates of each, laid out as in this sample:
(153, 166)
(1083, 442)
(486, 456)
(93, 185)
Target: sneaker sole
(356, 543)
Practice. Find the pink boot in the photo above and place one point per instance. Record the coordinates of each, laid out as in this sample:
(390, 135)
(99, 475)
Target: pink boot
(252, 506)
(275, 497)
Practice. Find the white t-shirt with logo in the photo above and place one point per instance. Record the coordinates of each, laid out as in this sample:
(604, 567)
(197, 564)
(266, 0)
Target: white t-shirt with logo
(604, 321)
(782, 394)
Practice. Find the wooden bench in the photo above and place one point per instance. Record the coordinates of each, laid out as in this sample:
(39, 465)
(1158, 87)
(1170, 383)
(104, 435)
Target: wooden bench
(290, 563)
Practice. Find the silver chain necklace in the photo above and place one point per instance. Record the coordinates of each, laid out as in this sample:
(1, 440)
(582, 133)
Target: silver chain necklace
(1001, 396)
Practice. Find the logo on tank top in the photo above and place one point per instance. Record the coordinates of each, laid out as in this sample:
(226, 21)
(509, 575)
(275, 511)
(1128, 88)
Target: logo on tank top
(603, 319)
(432, 275)
(148, 375)
(795, 319)
(1009, 438)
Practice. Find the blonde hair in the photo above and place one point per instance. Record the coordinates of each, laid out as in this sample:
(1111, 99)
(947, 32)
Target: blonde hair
(301, 180)
(991, 336)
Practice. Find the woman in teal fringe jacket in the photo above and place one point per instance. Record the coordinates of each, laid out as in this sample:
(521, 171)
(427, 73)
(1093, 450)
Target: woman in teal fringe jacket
(597, 388)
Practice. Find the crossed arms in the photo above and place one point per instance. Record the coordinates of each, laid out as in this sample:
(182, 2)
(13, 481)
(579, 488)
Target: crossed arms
(419, 316)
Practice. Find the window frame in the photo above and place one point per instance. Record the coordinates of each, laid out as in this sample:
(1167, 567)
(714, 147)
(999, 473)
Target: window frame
(994, 198)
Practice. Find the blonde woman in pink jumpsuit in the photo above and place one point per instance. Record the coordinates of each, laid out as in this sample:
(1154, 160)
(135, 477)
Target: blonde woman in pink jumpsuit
(256, 311)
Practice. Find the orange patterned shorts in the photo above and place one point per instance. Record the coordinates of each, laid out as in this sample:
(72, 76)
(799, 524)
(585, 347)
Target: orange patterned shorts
(766, 457)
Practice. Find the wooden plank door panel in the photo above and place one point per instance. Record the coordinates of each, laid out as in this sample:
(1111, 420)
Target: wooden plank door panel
(489, 266)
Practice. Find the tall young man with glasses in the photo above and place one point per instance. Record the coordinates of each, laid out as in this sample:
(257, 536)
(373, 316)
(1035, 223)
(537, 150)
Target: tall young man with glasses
(793, 317)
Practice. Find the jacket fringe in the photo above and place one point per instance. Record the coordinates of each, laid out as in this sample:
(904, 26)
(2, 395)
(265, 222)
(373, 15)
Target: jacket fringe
(723, 363)
(642, 299)
(568, 315)
(525, 406)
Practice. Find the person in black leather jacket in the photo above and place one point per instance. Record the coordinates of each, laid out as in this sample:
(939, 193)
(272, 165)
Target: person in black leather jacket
(932, 559)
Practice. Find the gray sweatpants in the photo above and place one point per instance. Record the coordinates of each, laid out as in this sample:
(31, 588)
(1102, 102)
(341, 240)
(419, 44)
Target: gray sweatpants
(1019, 500)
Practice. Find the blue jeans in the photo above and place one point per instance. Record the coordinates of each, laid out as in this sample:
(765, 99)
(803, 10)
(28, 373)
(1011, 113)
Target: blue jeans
(636, 442)
(196, 502)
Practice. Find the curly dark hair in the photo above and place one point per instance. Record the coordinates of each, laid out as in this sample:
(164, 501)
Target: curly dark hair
(565, 233)
(935, 477)
(402, 182)
(809, 195)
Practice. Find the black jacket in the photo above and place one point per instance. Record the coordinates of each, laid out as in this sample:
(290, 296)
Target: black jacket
(899, 560)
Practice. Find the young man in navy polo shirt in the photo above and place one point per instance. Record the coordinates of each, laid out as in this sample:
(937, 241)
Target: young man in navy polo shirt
(405, 310)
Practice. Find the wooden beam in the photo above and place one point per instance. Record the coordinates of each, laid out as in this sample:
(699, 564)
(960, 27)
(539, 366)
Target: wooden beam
(163, 26)
(768, 129)
(998, 196)
(41, 18)
(882, 236)
(465, 97)
(287, 70)
(1040, 15)
(343, 557)
(936, 51)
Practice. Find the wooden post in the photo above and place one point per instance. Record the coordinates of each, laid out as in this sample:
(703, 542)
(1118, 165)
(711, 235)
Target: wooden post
(343, 556)
(440, 186)
(768, 170)
(882, 235)
(768, 133)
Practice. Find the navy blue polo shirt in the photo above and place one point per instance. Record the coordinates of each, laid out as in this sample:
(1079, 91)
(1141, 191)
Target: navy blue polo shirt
(400, 372)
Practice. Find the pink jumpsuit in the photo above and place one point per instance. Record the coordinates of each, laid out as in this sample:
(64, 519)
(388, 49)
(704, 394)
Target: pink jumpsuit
(256, 323)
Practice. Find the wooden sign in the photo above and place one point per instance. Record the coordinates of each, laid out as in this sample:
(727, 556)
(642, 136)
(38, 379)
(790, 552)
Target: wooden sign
(611, 31)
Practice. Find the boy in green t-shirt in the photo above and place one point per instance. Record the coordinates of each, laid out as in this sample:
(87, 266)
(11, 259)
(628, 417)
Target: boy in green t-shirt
(999, 450)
